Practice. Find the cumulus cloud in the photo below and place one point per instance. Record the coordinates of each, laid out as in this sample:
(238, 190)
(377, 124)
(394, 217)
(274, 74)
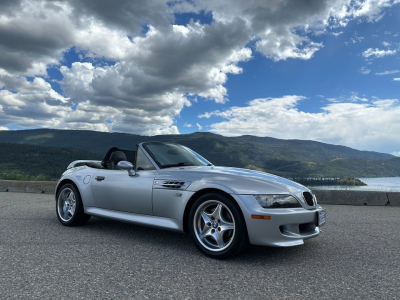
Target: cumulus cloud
(187, 125)
(396, 79)
(199, 126)
(141, 69)
(124, 14)
(35, 103)
(3, 128)
(30, 39)
(377, 53)
(281, 26)
(149, 89)
(360, 125)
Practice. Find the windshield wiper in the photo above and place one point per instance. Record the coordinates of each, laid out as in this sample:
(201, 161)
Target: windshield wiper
(180, 164)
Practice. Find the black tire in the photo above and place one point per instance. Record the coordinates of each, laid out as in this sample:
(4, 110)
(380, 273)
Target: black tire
(238, 239)
(79, 217)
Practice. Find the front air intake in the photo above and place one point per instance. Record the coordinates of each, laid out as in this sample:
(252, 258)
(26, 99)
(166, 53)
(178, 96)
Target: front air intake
(308, 197)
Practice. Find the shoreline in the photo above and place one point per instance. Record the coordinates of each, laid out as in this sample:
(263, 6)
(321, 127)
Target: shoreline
(324, 196)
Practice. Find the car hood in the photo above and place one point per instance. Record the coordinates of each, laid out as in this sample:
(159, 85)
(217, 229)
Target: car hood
(235, 180)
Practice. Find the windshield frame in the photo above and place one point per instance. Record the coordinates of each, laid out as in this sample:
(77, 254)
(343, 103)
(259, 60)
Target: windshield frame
(195, 155)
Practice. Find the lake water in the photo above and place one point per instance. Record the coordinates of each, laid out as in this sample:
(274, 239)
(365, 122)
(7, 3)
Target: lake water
(386, 184)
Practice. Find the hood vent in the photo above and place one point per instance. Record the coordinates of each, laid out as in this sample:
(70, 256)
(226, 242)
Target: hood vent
(170, 184)
(309, 198)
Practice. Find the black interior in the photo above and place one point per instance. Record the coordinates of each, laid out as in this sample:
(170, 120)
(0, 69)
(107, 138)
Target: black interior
(115, 158)
(106, 158)
(114, 155)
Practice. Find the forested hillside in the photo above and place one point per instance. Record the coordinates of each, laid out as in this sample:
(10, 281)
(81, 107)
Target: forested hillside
(289, 158)
(30, 162)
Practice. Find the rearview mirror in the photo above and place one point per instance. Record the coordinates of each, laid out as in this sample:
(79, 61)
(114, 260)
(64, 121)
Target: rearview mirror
(126, 165)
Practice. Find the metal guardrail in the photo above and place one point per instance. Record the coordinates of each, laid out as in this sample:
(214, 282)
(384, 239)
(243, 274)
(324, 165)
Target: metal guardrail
(338, 197)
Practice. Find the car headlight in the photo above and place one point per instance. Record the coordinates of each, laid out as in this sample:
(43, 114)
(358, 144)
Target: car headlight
(277, 201)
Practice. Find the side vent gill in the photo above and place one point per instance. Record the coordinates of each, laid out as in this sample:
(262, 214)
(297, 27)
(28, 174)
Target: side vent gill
(175, 185)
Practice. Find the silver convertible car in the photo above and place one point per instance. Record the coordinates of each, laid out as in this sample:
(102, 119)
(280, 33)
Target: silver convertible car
(170, 186)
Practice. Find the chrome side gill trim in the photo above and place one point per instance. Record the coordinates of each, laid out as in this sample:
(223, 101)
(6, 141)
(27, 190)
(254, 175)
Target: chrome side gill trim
(171, 184)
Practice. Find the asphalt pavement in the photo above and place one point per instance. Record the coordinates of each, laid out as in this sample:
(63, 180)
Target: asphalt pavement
(356, 256)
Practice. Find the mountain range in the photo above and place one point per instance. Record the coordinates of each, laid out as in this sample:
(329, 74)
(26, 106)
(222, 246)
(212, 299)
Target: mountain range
(288, 158)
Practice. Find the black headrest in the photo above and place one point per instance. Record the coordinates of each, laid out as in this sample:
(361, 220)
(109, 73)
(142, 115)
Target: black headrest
(117, 156)
(107, 156)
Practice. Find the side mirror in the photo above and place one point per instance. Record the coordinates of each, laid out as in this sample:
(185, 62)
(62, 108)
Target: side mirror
(126, 165)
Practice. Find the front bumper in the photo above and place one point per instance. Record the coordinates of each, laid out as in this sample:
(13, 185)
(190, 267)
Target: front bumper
(286, 227)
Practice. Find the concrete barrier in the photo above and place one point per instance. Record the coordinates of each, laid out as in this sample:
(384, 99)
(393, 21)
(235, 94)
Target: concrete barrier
(351, 197)
(43, 187)
(338, 197)
(394, 198)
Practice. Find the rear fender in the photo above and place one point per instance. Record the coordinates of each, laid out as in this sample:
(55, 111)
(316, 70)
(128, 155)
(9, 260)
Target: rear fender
(81, 177)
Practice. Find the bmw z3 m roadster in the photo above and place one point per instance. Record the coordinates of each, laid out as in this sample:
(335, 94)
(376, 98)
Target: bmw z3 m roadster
(170, 186)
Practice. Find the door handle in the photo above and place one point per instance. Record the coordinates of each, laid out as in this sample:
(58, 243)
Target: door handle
(100, 178)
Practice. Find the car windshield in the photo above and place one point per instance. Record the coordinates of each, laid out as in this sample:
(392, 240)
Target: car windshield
(168, 155)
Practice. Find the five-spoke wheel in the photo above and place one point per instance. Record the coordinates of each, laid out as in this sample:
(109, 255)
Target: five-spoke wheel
(66, 204)
(217, 226)
(214, 225)
(69, 206)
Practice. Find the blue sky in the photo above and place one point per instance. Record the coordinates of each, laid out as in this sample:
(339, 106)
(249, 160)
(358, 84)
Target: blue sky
(318, 70)
(333, 72)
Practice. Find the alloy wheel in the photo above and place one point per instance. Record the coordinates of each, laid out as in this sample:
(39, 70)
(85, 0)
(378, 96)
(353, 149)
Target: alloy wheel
(214, 225)
(66, 204)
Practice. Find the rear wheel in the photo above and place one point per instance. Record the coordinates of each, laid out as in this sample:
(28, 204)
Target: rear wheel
(217, 226)
(69, 206)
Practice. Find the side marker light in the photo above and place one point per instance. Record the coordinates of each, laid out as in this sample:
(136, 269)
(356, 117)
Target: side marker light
(261, 217)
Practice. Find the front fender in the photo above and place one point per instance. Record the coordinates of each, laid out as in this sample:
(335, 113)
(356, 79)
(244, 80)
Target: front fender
(202, 185)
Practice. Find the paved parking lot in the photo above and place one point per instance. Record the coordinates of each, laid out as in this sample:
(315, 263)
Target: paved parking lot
(356, 257)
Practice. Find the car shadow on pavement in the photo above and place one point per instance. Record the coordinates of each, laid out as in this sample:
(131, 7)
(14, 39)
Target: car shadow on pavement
(181, 244)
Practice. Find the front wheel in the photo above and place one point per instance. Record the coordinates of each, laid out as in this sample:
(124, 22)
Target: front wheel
(217, 226)
(69, 206)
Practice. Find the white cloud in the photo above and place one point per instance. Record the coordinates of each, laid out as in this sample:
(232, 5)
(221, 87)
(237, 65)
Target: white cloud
(355, 39)
(289, 45)
(388, 72)
(155, 66)
(199, 126)
(188, 125)
(396, 153)
(386, 44)
(396, 79)
(377, 53)
(354, 97)
(353, 124)
(364, 70)
(3, 128)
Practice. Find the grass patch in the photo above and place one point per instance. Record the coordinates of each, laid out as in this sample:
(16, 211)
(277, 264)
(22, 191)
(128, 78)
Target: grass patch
(40, 136)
